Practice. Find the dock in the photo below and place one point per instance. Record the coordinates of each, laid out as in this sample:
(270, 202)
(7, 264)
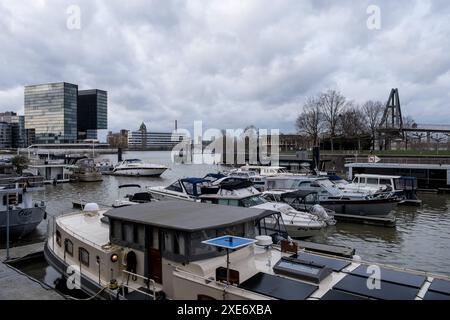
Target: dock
(388, 221)
(15, 285)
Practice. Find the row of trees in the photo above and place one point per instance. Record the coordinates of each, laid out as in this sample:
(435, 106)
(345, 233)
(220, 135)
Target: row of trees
(330, 114)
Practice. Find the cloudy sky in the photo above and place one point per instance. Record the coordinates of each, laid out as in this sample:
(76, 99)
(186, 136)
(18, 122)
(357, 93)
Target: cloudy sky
(228, 63)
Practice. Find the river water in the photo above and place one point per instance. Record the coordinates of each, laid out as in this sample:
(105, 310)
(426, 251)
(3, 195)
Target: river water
(421, 239)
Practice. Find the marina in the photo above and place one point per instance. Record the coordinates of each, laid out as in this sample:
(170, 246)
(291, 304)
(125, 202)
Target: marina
(402, 247)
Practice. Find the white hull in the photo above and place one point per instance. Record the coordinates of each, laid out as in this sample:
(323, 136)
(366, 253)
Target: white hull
(143, 172)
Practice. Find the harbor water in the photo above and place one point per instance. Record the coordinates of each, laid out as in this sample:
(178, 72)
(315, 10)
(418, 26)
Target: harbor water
(421, 239)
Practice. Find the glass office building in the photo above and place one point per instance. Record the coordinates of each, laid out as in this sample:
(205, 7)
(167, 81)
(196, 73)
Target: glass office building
(5, 135)
(51, 110)
(92, 113)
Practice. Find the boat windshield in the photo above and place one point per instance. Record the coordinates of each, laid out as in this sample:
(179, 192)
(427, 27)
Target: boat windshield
(194, 189)
(282, 184)
(253, 201)
(329, 186)
(133, 161)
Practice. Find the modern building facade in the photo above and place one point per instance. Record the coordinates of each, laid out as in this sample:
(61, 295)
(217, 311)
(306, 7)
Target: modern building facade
(143, 139)
(51, 110)
(18, 138)
(92, 113)
(5, 135)
(60, 113)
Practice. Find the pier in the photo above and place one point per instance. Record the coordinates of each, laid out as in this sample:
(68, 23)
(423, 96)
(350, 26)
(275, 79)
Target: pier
(16, 285)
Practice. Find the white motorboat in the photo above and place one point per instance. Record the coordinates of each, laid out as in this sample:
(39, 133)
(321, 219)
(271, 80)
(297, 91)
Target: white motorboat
(138, 168)
(188, 189)
(131, 199)
(195, 251)
(299, 224)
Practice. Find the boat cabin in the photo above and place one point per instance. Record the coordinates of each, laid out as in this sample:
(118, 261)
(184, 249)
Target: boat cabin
(173, 231)
(189, 186)
(265, 170)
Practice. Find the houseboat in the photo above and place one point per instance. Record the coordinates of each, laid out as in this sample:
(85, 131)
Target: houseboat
(52, 173)
(433, 176)
(196, 251)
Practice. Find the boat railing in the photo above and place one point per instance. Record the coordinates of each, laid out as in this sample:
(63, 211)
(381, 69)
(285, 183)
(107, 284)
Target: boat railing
(207, 281)
(22, 182)
(151, 284)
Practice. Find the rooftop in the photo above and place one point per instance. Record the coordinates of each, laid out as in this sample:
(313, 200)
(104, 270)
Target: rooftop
(186, 216)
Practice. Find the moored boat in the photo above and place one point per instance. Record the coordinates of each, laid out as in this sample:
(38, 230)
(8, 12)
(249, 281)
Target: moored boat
(188, 251)
(138, 168)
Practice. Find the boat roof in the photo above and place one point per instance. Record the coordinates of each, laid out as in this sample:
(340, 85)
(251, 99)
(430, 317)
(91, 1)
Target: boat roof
(194, 180)
(398, 165)
(187, 216)
(262, 167)
(365, 175)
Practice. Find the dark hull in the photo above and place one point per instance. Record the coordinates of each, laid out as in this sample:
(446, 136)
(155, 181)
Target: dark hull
(21, 221)
(379, 207)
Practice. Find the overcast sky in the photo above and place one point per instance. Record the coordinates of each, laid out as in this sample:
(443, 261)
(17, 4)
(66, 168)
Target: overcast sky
(228, 63)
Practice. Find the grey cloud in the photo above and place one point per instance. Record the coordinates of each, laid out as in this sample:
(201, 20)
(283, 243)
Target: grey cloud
(228, 63)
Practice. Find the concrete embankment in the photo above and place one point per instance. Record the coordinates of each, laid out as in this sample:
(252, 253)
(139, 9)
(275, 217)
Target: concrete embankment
(15, 285)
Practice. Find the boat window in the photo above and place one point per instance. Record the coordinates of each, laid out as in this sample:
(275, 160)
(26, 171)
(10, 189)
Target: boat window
(199, 248)
(168, 241)
(385, 181)
(252, 201)
(236, 230)
(68, 246)
(117, 229)
(155, 238)
(250, 230)
(189, 188)
(58, 238)
(305, 184)
(175, 187)
(139, 235)
(83, 256)
(372, 181)
(128, 232)
(179, 244)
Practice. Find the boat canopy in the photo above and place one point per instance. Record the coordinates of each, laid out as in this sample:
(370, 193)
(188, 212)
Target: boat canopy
(298, 194)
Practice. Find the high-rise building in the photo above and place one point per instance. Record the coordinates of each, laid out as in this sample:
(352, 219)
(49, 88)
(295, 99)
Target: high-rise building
(60, 113)
(17, 128)
(92, 113)
(51, 110)
(5, 135)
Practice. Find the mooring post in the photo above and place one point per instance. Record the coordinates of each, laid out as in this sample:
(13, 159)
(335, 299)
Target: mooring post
(7, 229)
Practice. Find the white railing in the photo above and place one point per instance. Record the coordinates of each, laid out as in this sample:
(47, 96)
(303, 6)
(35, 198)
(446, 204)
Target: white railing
(150, 284)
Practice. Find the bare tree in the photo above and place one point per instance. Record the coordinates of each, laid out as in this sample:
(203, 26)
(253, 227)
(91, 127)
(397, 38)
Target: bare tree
(309, 122)
(373, 112)
(332, 103)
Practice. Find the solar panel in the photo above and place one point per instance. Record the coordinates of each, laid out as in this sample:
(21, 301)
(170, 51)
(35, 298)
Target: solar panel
(334, 264)
(278, 287)
(229, 242)
(388, 291)
(340, 295)
(393, 276)
(441, 286)
(432, 295)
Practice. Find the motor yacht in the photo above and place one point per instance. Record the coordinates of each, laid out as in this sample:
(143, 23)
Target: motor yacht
(299, 224)
(196, 251)
(17, 206)
(138, 168)
(86, 171)
(332, 197)
(188, 189)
